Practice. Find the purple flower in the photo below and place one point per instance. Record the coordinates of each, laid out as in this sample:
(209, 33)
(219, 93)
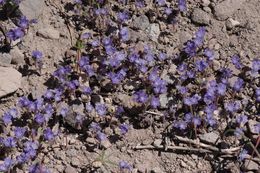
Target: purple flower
(182, 89)
(23, 102)
(242, 155)
(201, 65)
(255, 65)
(189, 101)
(64, 112)
(15, 34)
(124, 34)
(221, 89)
(124, 128)
(101, 109)
(140, 96)
(122, 16)
(30, 148)
(95, 127)
(23, 22)
(242, 120)
(86, 90)
(190, 48)
(168, 11)
(182, 125)
(196, 121)
(38, 168)
(182, 5)
(139, 3)
(155, 102)
(48, 134)
(232, 106)
(89, 107)
(236, 61)
(9, 142)
(238, 132)
(37, 55)
(7, 118)
(101, 136)
(257, 128)
(124, 165)
(238, 84)
(188, 117)
(19, 132)
(209, 54)
(200, 36)
(95, 43)
(39, 118)
(8, 163)
(48, 94)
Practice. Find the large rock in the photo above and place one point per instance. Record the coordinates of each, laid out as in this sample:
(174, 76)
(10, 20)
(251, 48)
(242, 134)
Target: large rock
(226, 8)
(10, 80)
(32, 9)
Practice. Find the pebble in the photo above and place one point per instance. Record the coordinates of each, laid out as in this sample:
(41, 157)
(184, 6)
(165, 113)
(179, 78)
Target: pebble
(205, 3)
(5, 58)
(17, 56)
(231, 23)
(157, 142)
(200, 17)
(141, 22)
(31, 9)
(49, 33)
(164, 100)
(216, 65)
(154, 31)
(210, 138)
(106, 144)
(70, 169)
(251, 126)
(75, 162)
(250, 165)
(156, 170)
(226, 8)
(10, 80)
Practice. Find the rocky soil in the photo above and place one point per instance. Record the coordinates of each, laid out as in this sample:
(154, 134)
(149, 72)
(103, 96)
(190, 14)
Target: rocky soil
(233, 27)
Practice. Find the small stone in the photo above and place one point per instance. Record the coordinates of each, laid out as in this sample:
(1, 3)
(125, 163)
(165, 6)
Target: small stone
(183, 164)
(164, 100)
(216, 65)
(205, 3)
(157, 142)
(154, 31)
(5, 58)
(97, 164)
(156, 170)
(141, 22)
(207, 9)
(75, 162)
(226, 8)
(105, 143)
(10, 80)
(17, 56)
(250, 165)
(165, 76)
(48, 33)
(251, 126)
(184, 37)
(231, 23)
(200, 17)
(91, 140)
(70, 169)
(210, 138)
